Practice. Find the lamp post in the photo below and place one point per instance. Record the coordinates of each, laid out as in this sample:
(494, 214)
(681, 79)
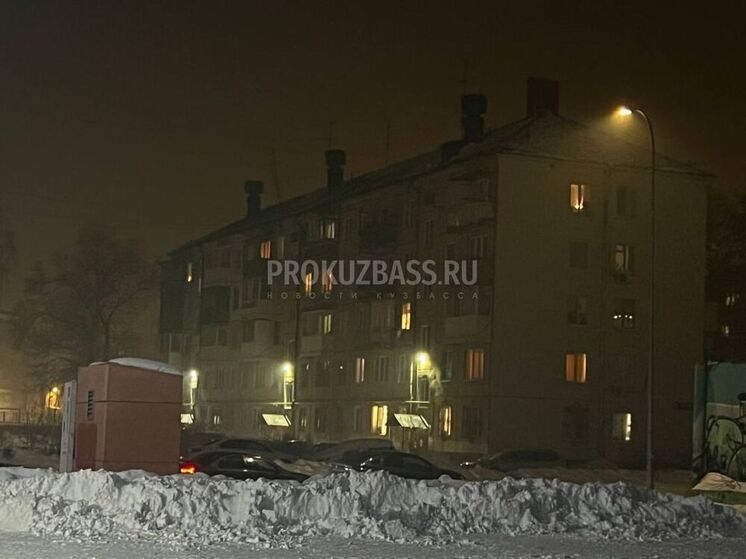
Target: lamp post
(625, 112)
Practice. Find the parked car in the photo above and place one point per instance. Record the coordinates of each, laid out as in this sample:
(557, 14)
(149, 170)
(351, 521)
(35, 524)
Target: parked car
(255, 446)
(330, 452)
(511, 460)
(402, 464)
(238, 465)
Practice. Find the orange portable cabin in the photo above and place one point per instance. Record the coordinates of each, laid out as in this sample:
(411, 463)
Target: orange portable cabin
(127, 416)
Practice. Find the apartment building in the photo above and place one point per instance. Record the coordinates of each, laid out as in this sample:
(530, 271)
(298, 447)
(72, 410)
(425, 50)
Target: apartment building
(549, 349)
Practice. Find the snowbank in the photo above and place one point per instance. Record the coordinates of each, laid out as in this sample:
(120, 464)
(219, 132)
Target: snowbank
(198, 509)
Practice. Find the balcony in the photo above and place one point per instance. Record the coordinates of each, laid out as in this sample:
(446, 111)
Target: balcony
(378, 237)
(471, 215)
(474, 327)
(264, 338)
(256, 268)
(321, 249)
(311, 344)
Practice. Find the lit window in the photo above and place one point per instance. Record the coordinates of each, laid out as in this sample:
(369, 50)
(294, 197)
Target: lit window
(328, 229)
(360, 370)
(576, 365)
(406, 316)
(328, 282)
(577, 310)
(725, 330)
(265, 250)
(621, 427)
(578, 202)
(624, 313)
(308, 283)
(378, 416)
(474, 364)
(731, 299)
(216, 419)
(189, 274)
(445, 421)
(326, 323)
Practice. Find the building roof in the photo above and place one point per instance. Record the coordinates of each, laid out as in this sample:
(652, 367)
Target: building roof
(540, 135)
(553, 136)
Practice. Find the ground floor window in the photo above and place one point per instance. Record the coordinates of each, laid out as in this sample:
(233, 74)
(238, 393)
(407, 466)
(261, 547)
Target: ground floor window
(471, 423)
(445, 421)
(621, 426)
(378, 417)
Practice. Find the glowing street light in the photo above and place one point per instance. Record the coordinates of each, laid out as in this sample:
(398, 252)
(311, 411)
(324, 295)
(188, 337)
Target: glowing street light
(288, 374)
(423, 360)
(624, 111)
(193, 379)
(288, 384)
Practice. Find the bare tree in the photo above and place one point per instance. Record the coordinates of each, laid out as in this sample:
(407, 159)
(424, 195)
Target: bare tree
(82, 307)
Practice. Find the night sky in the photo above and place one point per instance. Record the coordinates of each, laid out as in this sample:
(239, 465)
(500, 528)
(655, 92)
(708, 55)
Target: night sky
(152, 115)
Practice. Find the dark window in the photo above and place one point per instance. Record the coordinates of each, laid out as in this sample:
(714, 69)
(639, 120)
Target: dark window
(577, 310)
(89, 407)
(578, 255)
(471, 426)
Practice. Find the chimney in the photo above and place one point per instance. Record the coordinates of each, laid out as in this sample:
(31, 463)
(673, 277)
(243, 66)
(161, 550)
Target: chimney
(472, 109)
(253, 191)
(335, 168)
(542, 96)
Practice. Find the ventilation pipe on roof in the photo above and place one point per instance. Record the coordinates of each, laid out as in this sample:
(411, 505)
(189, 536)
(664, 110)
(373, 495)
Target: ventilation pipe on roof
(335, 168)
(472, 109)
(253, 191)
(542, 96)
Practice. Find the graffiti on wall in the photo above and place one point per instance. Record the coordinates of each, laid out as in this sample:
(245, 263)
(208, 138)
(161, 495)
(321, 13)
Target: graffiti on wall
(725, 446)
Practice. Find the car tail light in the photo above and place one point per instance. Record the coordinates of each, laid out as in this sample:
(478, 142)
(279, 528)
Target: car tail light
(188, 468)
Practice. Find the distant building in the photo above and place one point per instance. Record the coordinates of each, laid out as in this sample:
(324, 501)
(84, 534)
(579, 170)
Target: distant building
(551, 353)
(726, 280)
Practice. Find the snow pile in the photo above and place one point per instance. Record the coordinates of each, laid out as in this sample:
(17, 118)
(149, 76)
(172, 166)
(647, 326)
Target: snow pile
(198, 509)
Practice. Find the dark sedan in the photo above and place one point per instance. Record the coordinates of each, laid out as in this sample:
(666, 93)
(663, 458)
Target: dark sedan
(401, 464)
(238, 465)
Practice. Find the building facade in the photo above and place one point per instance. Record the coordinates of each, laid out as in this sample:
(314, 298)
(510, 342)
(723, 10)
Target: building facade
(548, 349)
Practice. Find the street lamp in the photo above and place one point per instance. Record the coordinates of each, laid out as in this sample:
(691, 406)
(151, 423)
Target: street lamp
(625, 112)
(288, 384)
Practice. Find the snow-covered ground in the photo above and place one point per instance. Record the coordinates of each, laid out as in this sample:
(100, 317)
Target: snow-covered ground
(136, 514)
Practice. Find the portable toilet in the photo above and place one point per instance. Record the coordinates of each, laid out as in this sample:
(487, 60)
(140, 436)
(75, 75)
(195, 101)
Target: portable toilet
(127, 416)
